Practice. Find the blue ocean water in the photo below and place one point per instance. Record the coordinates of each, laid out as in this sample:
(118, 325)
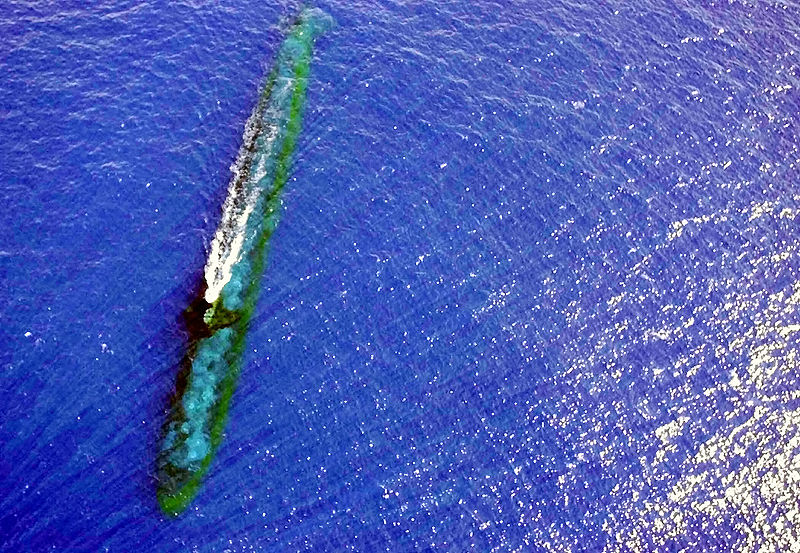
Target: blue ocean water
(535, 286)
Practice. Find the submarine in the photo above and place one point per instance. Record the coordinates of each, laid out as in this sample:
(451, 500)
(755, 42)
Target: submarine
(218, 319)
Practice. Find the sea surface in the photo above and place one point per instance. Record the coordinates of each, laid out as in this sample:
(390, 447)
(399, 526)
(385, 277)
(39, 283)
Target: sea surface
(535, 287)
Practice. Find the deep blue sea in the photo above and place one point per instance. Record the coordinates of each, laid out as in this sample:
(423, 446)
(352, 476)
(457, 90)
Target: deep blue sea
(535, 287)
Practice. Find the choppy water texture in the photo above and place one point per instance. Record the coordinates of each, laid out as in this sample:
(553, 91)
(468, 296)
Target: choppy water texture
(534, 288)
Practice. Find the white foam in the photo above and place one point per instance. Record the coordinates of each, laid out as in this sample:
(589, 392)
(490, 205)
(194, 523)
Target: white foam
(243, 193)
(226, 248)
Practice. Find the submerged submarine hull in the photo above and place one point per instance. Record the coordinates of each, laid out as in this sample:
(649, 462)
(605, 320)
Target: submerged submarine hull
(193, 430)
